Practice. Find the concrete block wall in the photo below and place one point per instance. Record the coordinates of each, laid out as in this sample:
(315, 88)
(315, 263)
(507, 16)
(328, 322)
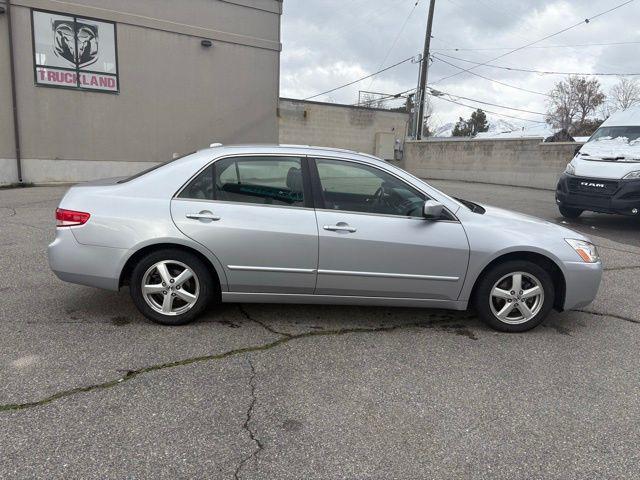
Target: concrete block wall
(519, 162)
(339, 126)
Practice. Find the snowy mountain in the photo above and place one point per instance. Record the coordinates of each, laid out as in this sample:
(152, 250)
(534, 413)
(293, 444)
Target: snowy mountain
(495, 127)
(445, 130)
(542, 130)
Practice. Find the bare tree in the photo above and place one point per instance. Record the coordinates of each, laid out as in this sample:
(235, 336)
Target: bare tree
(372, 101)
(624, 94)
(572, 101)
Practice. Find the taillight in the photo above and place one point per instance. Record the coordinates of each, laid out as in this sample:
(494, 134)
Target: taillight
(69, 218)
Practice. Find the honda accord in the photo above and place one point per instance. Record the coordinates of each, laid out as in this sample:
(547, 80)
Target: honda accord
(299, 224)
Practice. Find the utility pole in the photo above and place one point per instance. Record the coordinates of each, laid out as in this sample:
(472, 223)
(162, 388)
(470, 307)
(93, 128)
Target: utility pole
(424, 70)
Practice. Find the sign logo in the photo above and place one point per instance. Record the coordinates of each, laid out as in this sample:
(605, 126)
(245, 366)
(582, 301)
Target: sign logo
(592, 185)
(76, 42)
(75, 52)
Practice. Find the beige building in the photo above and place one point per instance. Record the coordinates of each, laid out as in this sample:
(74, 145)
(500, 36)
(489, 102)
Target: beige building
(103, 86)
(368, 130)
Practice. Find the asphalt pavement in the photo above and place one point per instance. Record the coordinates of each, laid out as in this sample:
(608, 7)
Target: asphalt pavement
(90, 389)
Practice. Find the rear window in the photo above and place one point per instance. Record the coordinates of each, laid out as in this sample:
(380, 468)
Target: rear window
(154, 167)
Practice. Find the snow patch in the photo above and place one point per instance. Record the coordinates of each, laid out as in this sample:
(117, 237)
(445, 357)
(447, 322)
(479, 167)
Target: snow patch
(607, 147)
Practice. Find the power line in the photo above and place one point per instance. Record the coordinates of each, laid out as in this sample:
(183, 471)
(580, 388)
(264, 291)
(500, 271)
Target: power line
(453, 97)
(486, 78)
(488, 111)
(387, 97)
(438, 93)
(360, 79)
(462, 49)
(393, 44)
(587, 20)
(541, 72)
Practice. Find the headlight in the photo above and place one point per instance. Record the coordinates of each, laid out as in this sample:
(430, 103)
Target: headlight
(587, 251)
(632, 175)
(571, 170)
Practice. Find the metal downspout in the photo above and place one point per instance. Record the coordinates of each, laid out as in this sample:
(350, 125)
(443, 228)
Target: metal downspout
(16, 128)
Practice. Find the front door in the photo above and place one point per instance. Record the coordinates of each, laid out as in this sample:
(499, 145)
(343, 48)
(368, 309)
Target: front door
(255, 215)
(375, 242)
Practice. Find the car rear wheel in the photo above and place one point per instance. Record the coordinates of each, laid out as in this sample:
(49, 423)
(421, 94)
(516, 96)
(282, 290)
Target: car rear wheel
(514, 296)
(568, 212)
(171, 287)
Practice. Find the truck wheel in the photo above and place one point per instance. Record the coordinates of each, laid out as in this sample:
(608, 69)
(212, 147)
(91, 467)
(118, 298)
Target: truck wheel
(568, 212)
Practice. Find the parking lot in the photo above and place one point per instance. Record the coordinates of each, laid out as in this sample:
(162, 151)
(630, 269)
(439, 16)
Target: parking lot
(90, 389)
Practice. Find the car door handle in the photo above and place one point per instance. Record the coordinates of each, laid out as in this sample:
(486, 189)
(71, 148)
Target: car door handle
(203, 216)
(339, 228)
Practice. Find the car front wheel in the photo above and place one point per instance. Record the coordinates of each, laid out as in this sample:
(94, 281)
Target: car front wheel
(514, 296)
(171, 287)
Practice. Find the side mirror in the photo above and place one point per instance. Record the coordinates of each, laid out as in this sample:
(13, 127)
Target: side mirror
(432, 210)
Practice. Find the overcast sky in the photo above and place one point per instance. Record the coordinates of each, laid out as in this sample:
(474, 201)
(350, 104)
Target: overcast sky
(327, 43)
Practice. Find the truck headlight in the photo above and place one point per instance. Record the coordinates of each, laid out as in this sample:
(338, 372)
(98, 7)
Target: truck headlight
(571, 170)
(632, 175)
(587, 251)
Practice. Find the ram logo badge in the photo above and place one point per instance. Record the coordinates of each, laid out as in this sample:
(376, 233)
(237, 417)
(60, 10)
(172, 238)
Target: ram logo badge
(592, 185)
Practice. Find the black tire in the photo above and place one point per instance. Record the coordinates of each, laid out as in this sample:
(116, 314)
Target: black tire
(208, 287)
(568, 212)
(483, 298)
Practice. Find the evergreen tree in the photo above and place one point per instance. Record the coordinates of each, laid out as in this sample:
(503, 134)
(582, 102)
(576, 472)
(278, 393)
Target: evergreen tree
(471, 127)
(461, 129)
(478, 122)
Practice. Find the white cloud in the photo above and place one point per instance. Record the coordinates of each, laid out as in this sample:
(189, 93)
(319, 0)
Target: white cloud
(327, 43)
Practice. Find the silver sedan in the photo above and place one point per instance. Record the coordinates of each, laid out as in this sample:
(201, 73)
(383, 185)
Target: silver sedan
(294, 224)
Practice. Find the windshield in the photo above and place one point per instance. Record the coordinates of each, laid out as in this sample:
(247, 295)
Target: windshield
(613, 144)
(609, 133)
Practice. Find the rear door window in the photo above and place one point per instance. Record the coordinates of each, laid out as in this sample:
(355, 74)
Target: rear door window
(255, 180)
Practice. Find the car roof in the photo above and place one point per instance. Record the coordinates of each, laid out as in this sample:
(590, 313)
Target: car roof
(624, 118)
(303, 150)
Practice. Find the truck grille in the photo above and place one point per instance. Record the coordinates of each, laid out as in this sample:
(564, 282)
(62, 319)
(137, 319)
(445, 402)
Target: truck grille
(592, 186)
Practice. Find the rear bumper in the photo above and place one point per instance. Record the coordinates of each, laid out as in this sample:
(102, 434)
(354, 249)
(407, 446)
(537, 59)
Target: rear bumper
(620, 199)
(84, 264)
(582, 282)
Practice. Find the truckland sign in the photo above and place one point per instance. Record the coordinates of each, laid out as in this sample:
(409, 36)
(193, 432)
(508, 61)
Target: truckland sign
(74, 52)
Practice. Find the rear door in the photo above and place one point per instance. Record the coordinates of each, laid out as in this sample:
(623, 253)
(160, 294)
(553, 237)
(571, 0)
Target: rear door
(374, 240)
(255, 214)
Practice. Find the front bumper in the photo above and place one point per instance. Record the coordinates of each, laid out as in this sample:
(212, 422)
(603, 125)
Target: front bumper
(84, 264)
(617, 196)
(582, 282)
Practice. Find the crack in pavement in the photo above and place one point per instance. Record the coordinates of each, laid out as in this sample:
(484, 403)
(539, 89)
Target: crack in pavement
(601, 314)
(267, 327)
(617, 249)
(629, 267)
(247, 427)
(131, 374)
(444, 325)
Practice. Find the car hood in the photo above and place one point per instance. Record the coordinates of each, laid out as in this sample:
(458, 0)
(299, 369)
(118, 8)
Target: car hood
(526, 226)
(608, 169)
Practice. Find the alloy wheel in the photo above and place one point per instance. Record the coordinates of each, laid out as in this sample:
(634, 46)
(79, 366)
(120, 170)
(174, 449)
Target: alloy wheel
(516, 298)
(170, 287)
